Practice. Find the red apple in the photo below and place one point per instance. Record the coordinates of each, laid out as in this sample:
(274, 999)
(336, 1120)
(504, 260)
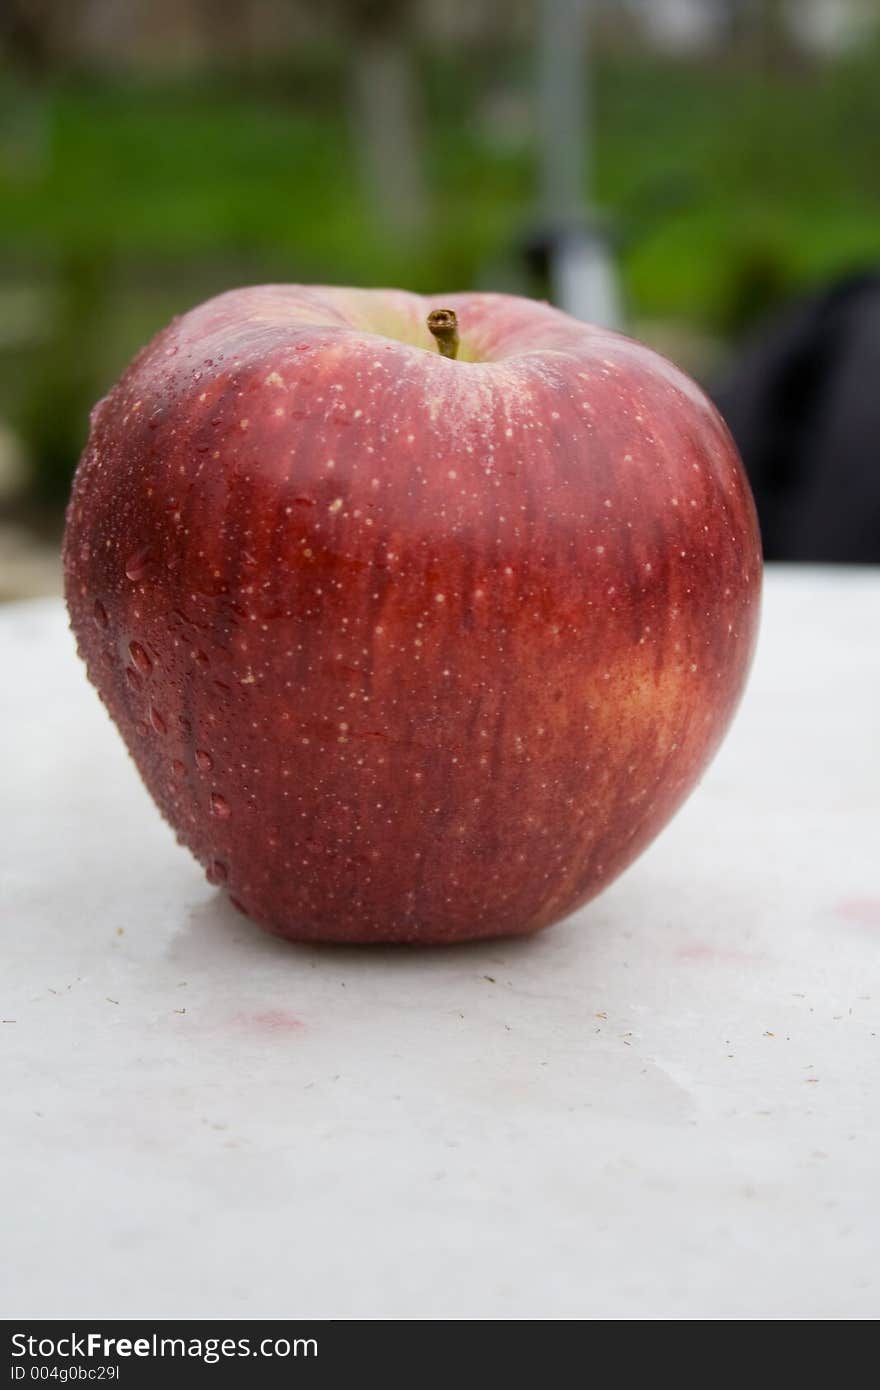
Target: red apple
(408, 646)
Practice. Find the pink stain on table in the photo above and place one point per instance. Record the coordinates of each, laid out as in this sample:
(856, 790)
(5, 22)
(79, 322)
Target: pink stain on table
(270, 1021)
(865, 912)
(698, 950)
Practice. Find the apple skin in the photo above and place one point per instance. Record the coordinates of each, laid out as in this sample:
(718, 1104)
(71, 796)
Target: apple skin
(407, 648)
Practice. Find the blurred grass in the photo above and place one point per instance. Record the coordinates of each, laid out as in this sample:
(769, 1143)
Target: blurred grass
(126, 201)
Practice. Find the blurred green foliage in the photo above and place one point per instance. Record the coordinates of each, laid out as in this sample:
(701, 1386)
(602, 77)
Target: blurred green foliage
(124, 202)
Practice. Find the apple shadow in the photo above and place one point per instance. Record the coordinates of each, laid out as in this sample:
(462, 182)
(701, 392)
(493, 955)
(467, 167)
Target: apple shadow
(216, 922)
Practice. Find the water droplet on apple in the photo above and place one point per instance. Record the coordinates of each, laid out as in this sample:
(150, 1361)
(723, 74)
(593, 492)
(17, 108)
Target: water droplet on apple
(217, 872)
(204, 761)
(157, 721)
(138, 564)
(220, 806)
(133, 678)
(201, 659)
(140, 657)
(101, 618)
(178, 768)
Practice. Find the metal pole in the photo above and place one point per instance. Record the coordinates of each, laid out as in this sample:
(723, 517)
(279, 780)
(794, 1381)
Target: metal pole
(562, 87)
(582, 275)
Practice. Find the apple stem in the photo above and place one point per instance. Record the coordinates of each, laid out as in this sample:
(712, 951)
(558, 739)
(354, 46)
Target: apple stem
(443, 323)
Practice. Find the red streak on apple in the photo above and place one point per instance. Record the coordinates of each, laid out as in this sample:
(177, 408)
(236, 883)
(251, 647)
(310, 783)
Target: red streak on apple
(406, 647)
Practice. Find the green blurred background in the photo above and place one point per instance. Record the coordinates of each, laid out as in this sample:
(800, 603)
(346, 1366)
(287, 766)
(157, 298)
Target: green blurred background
(153, 152)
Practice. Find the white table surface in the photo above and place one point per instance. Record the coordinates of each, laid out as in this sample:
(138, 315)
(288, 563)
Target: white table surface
(667, 1107)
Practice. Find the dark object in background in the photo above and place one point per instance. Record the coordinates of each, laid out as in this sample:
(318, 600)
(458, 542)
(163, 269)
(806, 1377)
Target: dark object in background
(573, 266)
(803, 404)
